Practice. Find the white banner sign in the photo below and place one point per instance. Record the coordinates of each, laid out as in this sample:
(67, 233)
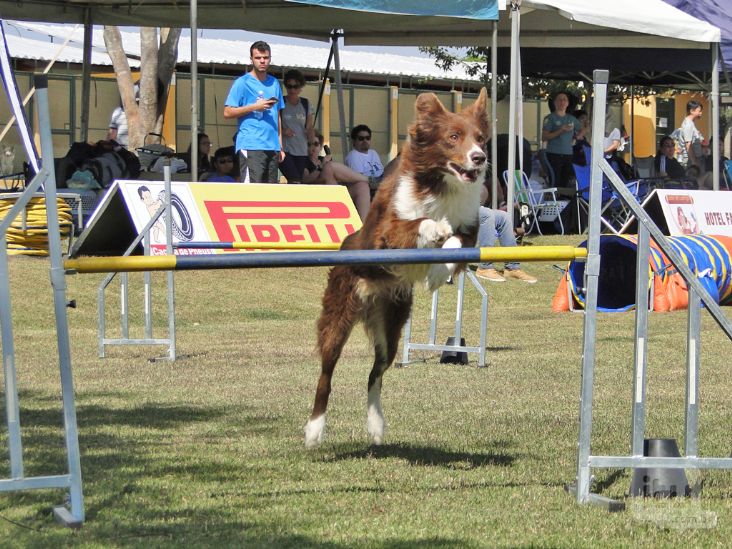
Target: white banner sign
(697, 212)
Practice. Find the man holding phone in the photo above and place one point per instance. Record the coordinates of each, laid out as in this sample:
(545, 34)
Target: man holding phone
(256, 101)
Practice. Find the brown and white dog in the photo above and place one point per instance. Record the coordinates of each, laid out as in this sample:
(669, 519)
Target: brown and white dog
(431, 200)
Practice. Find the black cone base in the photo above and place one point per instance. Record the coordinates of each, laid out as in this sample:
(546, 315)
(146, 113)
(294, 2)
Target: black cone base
(659, 483)
(454, 357)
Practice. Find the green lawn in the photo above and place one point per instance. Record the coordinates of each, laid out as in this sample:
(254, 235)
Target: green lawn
(208, 451)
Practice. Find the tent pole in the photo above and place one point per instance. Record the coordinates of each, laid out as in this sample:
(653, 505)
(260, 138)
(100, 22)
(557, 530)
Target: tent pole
(194, 90)
(494, 116)
(515, 15)
(715, 117)
(632, 124)
(335, 35)
(85, 77)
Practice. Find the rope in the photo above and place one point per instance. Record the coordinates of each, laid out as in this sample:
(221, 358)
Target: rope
(33, 239)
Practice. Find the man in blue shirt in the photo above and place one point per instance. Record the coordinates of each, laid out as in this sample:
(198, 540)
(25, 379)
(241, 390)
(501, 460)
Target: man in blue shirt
(256, 101)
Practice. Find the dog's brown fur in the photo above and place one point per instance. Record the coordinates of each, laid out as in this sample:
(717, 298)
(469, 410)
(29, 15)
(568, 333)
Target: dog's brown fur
(430, 200)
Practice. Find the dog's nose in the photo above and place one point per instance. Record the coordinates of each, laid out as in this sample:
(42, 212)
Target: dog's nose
(478, 158)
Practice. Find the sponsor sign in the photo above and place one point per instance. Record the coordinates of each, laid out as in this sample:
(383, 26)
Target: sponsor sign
(697, 212)
(682, 212)
(222, 212)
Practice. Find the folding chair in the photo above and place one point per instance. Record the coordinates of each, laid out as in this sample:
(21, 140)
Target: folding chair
(548, 170)
(543, 204)
(613, 213)
(645, 167)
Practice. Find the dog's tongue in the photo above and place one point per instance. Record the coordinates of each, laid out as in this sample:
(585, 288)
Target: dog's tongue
(468, 175)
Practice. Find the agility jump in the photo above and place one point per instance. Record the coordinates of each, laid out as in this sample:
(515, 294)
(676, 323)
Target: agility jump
(320, 259)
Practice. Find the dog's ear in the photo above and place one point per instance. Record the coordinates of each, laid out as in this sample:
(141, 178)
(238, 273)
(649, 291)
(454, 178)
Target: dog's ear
(478, 108)
(428, 105)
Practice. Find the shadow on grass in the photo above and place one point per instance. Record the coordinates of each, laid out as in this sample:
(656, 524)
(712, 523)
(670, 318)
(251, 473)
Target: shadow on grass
(425, 455)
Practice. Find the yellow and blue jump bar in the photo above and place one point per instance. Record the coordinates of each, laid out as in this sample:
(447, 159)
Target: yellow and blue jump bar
(321, 259)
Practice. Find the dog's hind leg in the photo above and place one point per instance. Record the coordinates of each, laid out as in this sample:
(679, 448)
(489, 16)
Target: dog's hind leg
(341, 310)
(384, 320)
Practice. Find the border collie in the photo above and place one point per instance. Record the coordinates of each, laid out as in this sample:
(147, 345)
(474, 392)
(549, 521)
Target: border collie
(430, 200)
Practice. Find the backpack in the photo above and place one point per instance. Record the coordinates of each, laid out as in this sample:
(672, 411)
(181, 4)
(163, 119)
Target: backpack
(305, 105)
(107, 167)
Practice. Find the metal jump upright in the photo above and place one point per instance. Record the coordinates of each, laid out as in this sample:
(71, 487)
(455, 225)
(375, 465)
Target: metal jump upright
(73, 514)
(697, 294)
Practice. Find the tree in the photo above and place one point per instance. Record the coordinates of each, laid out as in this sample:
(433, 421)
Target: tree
(145, 113)
(476, 62)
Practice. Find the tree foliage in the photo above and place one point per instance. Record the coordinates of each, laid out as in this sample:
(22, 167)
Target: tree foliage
(145, 109)
(476, 62)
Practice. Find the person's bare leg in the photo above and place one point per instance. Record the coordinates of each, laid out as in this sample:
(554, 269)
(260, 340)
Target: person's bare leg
(361, 196)
(356, 183)
(344, 174)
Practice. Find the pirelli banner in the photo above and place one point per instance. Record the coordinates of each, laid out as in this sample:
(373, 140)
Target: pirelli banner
(218, 212)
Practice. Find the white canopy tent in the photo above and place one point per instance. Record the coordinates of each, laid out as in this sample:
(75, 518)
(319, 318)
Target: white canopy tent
(544, 23)
(556, 20)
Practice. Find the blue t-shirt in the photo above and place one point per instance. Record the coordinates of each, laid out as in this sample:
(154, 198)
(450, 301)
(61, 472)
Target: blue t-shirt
(561, 144)
(257, 133)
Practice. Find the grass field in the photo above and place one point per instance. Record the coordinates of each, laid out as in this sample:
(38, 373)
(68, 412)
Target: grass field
(208, 451)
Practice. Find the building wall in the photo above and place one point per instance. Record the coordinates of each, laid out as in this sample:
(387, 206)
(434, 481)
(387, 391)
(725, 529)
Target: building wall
(387, 110)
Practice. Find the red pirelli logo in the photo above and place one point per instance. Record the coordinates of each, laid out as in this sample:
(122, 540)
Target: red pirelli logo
(279, 221)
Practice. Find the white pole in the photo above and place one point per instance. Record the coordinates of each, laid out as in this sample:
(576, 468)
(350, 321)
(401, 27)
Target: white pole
(715, 117)
(494, 116)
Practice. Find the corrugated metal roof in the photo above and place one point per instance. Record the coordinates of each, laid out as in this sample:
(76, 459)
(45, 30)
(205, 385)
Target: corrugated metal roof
(226, 52)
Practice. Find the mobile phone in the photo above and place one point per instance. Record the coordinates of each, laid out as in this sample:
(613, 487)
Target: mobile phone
(272, 100)
(326, 148)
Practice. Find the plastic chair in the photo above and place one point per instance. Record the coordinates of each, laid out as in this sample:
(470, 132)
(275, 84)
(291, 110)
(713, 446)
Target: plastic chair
(542, 204)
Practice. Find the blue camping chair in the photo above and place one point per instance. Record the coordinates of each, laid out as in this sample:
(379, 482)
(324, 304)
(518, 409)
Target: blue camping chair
(613, 212)
(727, 175)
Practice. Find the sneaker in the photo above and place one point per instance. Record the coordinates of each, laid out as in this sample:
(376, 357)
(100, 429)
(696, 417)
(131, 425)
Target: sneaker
(490, 274)
(518, 274)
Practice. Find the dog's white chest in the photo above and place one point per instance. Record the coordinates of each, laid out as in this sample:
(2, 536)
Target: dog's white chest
(459, 207)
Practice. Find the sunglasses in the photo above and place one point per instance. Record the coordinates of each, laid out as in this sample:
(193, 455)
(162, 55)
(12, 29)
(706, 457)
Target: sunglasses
(293, 86)
(363, 137)
(225, 161)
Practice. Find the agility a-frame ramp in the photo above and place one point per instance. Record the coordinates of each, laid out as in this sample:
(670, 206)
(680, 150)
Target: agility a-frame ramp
(697, 294)
(72, 512)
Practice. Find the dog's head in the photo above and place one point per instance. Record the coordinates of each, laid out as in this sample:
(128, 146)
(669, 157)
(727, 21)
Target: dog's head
(447, 145)
(8, 150)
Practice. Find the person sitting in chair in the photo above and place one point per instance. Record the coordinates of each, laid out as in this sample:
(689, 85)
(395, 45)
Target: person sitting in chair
(665, 162)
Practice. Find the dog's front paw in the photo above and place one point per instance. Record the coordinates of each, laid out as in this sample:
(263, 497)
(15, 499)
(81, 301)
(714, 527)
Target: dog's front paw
(438, 274)
(433, 234)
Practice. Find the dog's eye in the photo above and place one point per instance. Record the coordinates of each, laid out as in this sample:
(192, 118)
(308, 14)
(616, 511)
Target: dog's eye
(480, 139)
(454, 137)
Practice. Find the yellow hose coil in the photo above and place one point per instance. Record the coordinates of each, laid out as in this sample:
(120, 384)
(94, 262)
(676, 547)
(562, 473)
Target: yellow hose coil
(33, 240)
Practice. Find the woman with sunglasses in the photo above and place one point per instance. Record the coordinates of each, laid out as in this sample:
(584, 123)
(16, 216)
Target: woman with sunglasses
(362, 158)
(324, 171)
(297, 127)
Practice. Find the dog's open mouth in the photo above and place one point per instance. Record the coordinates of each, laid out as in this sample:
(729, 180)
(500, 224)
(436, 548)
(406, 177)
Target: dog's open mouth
(463, 174)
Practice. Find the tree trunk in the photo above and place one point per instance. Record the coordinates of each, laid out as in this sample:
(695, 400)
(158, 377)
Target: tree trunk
(157, 65)
(148, 82)
(167, 57)
(125, 83)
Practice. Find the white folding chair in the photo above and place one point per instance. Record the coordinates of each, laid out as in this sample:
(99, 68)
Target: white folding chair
(543, 204)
